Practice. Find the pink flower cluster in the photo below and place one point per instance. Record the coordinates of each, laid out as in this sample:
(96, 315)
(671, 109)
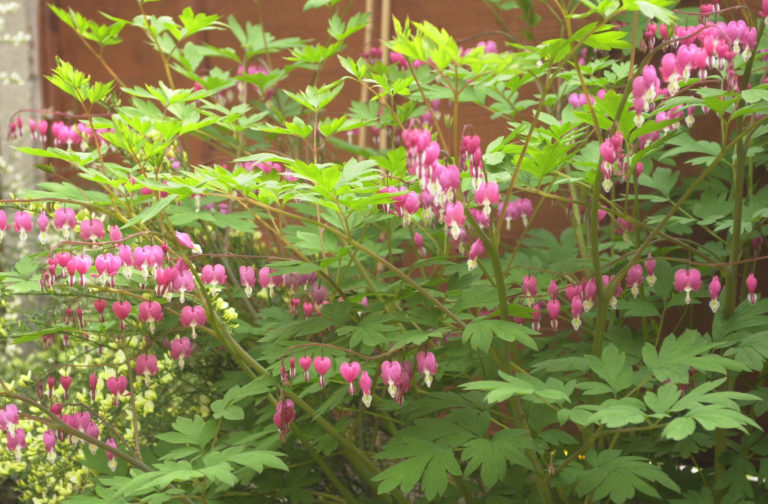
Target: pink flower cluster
(17, 438)
(62, 133)
(582, 296)
(395, 375)
(696, 49)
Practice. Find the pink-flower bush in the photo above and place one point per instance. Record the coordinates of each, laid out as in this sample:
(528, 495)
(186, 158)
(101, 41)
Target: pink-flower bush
(181, 300)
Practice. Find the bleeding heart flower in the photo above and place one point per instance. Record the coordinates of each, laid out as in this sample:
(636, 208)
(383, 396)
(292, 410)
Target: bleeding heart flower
(427, 365)
(65, 382)
(193, 316)
(180, 348)
(117, 385)
(93, 381)
(285, 414)
(111, 461)
(150, 311)
(121, 311)
(350, 371)
(322, 366)
(146, 364)
(365, 388)
(305, 363)
(752, 288)
(49, 440)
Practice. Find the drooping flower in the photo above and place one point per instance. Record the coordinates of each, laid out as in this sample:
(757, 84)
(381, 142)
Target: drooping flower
(121, 311)
(42, 224)
(17, 441)
(150, 311)
(553, 309)
(476, 250)
(93, 381)
(111, 461)
(350, 371)
(322, 366)
(64, 219)
(487, 194)
(529, 289)
(214, 275)
(687, 280)
(553, 290)
(634, 279)
(752, 288)
(193, 316)
(590, 293)
(22, 224)
(426, 365)
(454, 218)
(536, 317)
(714, 292)
(365, 388)
(269, 281)
(390, 374)
(49, 440)
(180, 348)
(92, 229)
(117, 385)
(186, 241)
(284, 415)
(650, 269)
(247, 279)
(65, 382)
(146, 364)
(305, 363)
(577, 308)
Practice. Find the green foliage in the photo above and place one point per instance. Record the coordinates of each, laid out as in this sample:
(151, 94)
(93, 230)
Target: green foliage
(608, 386)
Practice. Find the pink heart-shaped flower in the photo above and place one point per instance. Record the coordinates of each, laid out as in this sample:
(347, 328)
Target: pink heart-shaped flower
(349, 371)
(322, 365)
(305, 362)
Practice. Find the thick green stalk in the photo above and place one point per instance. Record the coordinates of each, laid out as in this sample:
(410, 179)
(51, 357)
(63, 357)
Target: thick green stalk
(732, 278)
(731, 289)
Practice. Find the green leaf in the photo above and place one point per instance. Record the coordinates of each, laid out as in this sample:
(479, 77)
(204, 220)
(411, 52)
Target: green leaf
(519, 385)
(314, 4)
(612, 368)
(429, 459)
(678, 354)
(221, 409)
(662, 401)
(190, 431)
(615, 413)
(679, 428)
(653, 9)
(221, 472)
(618, 477)
(608, 40)
(151, 211)
(259, 459)
(479, 334)
(715, 416)
(492, 456)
